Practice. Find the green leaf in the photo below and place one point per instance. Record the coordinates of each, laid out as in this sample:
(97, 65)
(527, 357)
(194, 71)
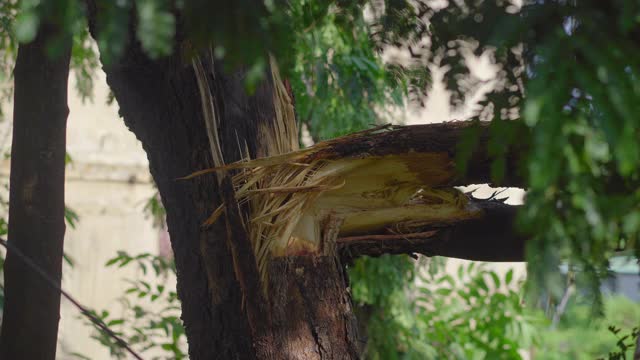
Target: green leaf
(68, 259)
(508, 277)
(112, 261)
(444, 291)
(115, 322)
(496, 279)
(71, 217)
(26, 25)
(156, 27)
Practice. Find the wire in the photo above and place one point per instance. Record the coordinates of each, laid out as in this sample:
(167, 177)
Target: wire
(99, 323)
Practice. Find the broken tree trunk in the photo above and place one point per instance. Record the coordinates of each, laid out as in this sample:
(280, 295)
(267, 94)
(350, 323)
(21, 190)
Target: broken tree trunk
(227, 274)
(160, 102)
(297, 306)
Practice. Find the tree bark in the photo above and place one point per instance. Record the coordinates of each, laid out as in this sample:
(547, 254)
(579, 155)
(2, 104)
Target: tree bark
(36, 207)
(159, 102)
(312, 313)
(490, 237)
(442, 140)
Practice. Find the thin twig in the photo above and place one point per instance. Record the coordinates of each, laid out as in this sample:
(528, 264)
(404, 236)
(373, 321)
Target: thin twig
(99, 323)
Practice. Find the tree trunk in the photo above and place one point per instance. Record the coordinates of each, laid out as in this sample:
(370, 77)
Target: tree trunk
(160, 103)
(36, 208)
(312, 313)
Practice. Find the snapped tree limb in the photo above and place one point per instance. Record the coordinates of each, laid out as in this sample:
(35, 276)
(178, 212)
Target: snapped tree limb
(385, 184)
(489, 237)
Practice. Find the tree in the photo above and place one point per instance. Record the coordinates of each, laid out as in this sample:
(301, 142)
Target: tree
(191, 110)
(175, 150)
(32, 306)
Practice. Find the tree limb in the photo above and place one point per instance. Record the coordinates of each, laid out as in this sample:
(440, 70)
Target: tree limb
(490, 237)
(443, 139)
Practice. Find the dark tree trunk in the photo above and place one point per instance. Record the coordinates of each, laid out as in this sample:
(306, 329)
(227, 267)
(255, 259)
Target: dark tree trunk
(163, 109)
(36, 209)
(312, 314)
(160, 103)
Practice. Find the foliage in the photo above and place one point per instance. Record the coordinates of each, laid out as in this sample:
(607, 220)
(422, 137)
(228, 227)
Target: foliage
(582, 170)
(341, 84)
(19, 20)
(151, 321)
(580, 336)
(625, 344)
(475, 315)
(154, 209)
(378, 287)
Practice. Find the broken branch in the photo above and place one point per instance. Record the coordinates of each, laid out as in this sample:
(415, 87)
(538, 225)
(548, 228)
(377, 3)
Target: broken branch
(489, 237)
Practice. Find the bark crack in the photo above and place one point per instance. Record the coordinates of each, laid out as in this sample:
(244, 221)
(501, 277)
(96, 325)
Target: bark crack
(308, 306)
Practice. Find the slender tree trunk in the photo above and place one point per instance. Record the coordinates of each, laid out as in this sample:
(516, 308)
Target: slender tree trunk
(36, 209)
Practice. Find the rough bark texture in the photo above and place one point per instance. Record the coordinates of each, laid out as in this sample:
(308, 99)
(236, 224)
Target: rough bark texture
(160, 104)
(312, 313)
(490, 237)
(246, 271)
(443, 139)
(36, 209)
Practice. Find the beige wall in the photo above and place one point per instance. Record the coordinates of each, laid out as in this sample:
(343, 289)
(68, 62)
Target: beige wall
(107, 184)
